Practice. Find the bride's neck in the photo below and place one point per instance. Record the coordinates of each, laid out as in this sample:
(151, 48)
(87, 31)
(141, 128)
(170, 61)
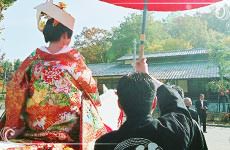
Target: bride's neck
(55, 47)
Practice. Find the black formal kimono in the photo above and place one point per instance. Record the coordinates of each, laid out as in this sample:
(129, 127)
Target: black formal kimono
(202, 112)
(174, 130)
(194, 115)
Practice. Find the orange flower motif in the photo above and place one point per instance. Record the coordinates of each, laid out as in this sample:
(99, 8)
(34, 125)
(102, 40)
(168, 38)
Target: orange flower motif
(62, 5)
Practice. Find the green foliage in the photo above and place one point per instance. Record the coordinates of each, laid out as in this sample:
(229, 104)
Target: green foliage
(218, 19)
(17, 63)
(176, 44)
(123, 36)
(176, 32)
(93, 44)
(169, 44)
(220, 55)
(217, 86)
(155, 34)
(4, 4)
(189, 28)
(226, 41)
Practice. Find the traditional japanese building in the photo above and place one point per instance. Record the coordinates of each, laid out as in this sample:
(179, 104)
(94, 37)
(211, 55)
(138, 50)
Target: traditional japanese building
(190, 69)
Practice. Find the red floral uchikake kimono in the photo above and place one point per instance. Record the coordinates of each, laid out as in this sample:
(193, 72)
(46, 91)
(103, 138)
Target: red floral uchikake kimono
(54, 97)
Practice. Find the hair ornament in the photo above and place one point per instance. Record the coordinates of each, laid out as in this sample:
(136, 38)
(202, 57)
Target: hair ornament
(48, 10)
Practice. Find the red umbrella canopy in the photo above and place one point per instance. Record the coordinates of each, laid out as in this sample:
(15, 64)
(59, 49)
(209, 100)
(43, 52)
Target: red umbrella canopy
(163, 5)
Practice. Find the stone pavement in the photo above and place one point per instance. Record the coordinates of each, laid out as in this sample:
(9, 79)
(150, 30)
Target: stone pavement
(218, 138)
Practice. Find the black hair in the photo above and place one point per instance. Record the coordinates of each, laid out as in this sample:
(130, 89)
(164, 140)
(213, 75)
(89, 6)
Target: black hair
(53, 33)
(136, 93)
(202, 94)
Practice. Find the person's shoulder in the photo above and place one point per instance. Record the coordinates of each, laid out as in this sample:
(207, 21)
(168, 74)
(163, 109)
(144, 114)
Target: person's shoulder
(108, 137)
(192, 111)
(174, 120)
(107, 141)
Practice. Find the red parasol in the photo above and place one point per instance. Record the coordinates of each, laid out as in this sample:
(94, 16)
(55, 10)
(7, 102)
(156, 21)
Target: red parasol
(162, 5)
(159, 5)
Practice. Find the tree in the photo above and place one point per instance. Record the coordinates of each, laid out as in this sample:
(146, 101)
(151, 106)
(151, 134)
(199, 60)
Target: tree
(16, 63)
(220, 55)
(129, 29)
(123, 36)
(217, 19)
(178, 31)
(218, 85)
(175, 44)
(189, 28)
(4, 4)
(226, 41)
(93, 43)
(2, 57)
(7, 69)
(156, 36)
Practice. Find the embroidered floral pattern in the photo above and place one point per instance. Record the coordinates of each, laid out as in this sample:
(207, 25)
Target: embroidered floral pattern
(62, 86)
(55, 98)
(51, 73)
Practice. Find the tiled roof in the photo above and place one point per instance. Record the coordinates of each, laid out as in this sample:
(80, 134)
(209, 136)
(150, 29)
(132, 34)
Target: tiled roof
(176, 70)
(187, 70)
(99, 69)
(169, 54)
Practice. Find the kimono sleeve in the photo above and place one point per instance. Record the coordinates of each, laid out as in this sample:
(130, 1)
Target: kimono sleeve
(86, 81)
(16, 94)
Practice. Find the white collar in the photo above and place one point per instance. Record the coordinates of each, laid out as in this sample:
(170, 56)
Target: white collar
(63, 50)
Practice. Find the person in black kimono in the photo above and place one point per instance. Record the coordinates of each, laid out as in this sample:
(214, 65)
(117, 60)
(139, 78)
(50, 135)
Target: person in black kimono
(193, 113)
(173, 130)
(201, 108)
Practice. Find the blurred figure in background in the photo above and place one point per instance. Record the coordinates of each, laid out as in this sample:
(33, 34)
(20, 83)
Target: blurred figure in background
(194, 114)
(201, 108)
(222, 99)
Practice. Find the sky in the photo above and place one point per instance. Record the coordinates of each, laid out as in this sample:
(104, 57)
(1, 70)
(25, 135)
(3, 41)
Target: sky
(21, 36)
